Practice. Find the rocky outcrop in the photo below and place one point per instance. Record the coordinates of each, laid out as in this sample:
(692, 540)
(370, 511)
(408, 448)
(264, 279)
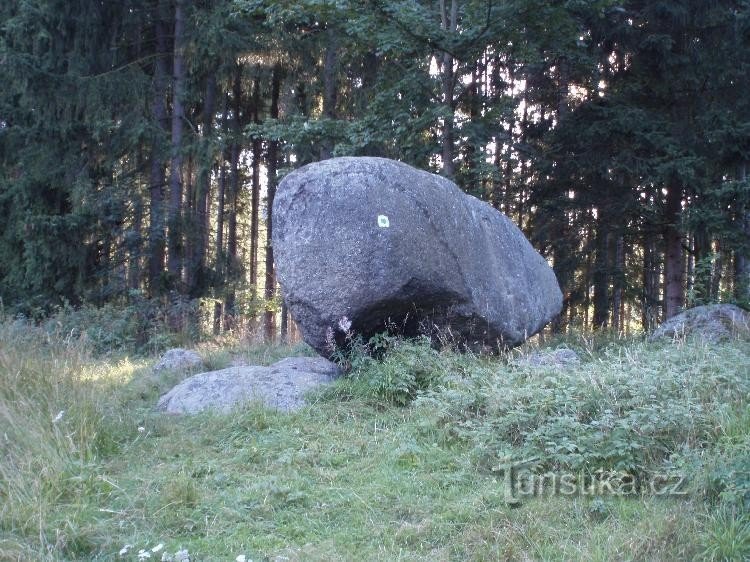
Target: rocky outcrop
(365, 243)
(281, 386)
(178, 360)
(559, 358)
(711, 323)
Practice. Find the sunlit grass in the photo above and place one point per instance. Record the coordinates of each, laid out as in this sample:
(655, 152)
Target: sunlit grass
(353, 475)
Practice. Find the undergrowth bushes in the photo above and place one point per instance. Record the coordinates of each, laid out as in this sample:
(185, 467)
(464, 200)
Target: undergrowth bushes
(630, 410)
(636, 409)
(633, 415)
(398, 374)
(136, 325)
(140, 325)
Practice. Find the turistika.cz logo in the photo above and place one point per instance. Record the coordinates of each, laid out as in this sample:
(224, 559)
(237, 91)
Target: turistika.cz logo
(520, 479)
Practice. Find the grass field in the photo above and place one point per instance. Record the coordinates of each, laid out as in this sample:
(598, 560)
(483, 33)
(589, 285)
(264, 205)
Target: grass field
(407, 459)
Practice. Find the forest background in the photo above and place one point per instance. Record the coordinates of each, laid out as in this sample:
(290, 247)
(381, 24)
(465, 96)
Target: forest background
(141, 143)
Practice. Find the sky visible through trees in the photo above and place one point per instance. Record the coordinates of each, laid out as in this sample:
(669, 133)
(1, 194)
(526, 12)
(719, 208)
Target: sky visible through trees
(141, 141)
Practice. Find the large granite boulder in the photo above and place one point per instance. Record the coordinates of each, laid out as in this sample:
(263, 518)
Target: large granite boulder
(281, 386)
(711, 323)
(365, 243)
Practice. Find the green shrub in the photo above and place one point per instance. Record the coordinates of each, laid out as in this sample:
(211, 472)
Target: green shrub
(140, 325)
(391, 370)
(727, 537)
(632, 416)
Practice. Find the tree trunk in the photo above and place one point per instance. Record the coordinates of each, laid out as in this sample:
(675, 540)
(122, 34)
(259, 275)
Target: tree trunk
(701, 253)
(135, 245)
(203, 188)
(618, 284)
(220, 255)
(742, 254)
(284, 323)
(503, 186)
(561, 267)
(650, 302)
(601, 274)
(690, 268)
(174, 262)
(255, 196)
(449, 22)
(234, 172)
(717, 271)
(273, 159)
(156, 175)
(474, 148)
(520, 196)
(587, 292)
(134, 239)
(674, 266)
(370, 70)
(628, 317)
(220, 258)
(329, 90)
(187, 231)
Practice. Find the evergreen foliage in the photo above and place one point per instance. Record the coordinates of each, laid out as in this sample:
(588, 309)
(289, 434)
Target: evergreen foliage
(615, 133)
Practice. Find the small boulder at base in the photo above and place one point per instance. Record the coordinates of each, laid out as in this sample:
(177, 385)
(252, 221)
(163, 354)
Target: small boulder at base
(711, 323)
(362, 244)
(178, 360)
(558, 358)
(309, 365)
(281, 386)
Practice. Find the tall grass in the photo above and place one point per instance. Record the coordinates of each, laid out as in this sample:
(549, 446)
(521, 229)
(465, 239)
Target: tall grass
(55, 422)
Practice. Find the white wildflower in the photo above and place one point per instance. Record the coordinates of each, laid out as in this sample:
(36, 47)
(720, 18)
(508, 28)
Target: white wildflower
(59, 416)
(182, 556)
(124, 550)
(158, 547)
(166, 557)
(143, 554)
(141, 429)
(330, 339)
(241, 558)
(345, 324)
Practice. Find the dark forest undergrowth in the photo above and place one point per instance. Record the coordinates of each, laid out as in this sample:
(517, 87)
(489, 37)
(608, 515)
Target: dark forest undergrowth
(641, 452)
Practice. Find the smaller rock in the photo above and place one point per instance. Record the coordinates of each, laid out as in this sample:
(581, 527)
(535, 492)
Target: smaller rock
(178, 360)
(711, 323)
(281, 386)
(314, 365)
(550, 358)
